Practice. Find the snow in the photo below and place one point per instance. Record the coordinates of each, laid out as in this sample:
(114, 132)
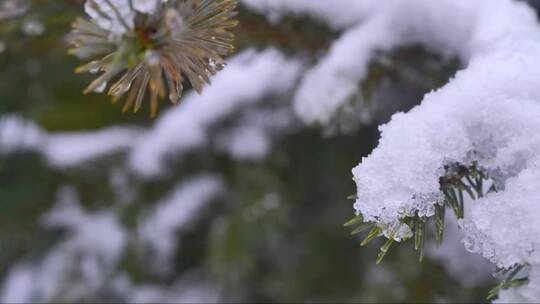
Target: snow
(334, 79)
(63, 150)
(489, 114)
(71, 149)
(18, 134)
(466, 268)
(251, 138)
(116, 23)
(183, 291)
(176, 212)
(19, 280)
(248, 78)
(92, 247)
(529, 293)
(504, 226)
(146, 6)
(100, 233)
(248, 143)
(331, 83)
(188, 288)
(110, 20)
(337, 13)
(482, 111)
(87, 258)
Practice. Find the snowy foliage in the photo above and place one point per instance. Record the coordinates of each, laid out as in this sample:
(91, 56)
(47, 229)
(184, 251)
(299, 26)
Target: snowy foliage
(465, 267)
(488, 115)
(261, 74)
(338, 13)
(93, 246)
(175, 212)
(88, 257)
(62, 149)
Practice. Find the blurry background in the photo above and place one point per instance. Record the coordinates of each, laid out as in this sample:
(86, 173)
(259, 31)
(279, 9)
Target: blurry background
(226, 197)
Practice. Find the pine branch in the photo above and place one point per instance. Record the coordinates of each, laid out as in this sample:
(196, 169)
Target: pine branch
(458, 181)
(509, 282)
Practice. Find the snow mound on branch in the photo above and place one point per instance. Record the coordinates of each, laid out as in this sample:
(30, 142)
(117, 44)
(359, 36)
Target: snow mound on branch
(18, 134)
(488, 114)
(331, 83)
(63, 150)
(184, 290)
(73, 148)
(463, 266)
(248, 143)
(86, 257)
(504, 226)
(401, 176)
(86, 261)
(529, 293)
(335, 78)
(176, 212)
(337, 13)
(249, 77)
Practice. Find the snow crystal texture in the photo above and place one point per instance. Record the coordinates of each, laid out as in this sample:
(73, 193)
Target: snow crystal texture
(488, 114)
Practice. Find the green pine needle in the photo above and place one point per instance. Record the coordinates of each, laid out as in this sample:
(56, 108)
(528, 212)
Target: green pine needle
(384, 249)
(355, 220)
(352, 197)
(373, 233)
(362, 227)
(509, 282)
(492, 294)
(457, 181)
(419, 236)
(467, 189)
(439, 223)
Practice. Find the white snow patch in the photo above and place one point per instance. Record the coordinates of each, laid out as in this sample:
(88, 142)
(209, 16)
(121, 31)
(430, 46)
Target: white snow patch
(467, 268)
(175, 212)
(70, 149)
(337, 13)
(119, 19)
(63, 150)
(248, 77)
(249, 143)
(489, 114)
(18, 134)
(82, 261)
